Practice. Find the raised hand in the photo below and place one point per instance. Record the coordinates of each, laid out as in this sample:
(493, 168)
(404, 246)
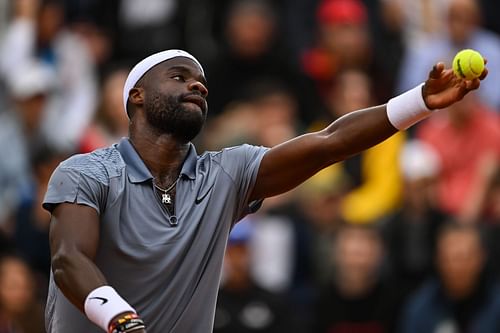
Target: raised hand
(443, 87)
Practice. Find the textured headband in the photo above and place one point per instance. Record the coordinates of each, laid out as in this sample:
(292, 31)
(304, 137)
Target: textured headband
(147, 63)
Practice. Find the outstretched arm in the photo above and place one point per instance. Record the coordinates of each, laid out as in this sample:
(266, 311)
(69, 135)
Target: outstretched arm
(289, 164)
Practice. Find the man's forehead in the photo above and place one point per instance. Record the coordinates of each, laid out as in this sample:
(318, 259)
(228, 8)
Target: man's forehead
(179, 63)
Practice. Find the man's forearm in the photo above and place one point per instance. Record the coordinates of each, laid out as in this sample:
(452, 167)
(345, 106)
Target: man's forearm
(358, 131)
(84, 285)
(363, 129)
(76, 275)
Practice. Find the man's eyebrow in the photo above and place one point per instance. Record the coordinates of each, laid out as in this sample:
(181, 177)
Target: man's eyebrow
(188, 70)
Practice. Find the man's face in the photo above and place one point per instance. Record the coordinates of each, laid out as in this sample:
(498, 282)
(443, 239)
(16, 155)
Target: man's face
(175, 98)
(463, 20)
(358, 254)
(460, 260)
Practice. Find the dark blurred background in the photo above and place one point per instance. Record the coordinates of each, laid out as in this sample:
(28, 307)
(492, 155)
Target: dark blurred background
(403, 237)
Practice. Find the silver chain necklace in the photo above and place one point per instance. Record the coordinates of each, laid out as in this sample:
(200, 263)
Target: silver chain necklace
(166, 198)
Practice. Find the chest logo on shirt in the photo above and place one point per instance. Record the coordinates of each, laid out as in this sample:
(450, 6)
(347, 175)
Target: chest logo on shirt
(200, 199)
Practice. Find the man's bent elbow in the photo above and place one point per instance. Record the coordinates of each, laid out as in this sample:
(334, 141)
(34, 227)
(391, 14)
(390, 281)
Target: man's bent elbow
(62, 263)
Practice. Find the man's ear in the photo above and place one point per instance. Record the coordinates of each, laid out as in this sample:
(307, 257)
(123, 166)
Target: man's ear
(136, 96)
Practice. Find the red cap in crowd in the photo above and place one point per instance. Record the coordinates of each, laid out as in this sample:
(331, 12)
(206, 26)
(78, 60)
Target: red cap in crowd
(341, 11)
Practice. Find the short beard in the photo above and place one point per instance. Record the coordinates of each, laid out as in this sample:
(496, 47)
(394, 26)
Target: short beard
(167, 115)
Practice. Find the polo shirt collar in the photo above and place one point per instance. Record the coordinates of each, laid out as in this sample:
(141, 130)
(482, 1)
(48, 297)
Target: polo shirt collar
(189, 165)
(137, 170)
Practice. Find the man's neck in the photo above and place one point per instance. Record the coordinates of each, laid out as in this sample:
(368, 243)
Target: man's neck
(162, 154)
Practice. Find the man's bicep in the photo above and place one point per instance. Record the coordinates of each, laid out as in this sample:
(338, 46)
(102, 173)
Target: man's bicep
(74, 227)
(291, 163)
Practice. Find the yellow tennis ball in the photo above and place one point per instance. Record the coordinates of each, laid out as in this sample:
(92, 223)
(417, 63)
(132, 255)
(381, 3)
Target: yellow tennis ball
(468, 64)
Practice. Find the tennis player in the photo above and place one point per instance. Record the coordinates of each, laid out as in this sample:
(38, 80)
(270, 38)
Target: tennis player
(139, 229)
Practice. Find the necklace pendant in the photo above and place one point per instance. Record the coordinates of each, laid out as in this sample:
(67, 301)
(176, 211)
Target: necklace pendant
(166, 198)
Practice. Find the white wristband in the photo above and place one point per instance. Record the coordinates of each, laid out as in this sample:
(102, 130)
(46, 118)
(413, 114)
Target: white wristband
(407, 109)
(103, 304)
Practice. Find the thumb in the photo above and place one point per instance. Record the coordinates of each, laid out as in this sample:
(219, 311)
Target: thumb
(436, 70)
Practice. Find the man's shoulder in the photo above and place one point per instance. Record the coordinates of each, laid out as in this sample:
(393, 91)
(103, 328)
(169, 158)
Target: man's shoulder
(230, 157)
(101, 164)
(233, 150)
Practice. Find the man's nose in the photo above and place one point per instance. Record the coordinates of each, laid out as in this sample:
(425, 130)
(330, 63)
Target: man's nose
(198, 86)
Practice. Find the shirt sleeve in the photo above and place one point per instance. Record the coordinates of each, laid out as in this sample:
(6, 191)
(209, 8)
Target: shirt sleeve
(242, 164)
(77, 183)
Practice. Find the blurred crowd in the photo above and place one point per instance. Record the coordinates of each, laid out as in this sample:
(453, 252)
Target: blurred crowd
(403, 237)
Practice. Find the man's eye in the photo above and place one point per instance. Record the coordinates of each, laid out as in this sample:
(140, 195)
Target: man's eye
(178, 78)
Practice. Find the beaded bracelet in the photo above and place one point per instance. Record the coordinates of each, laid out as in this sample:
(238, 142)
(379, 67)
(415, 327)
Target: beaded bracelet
(126, 323)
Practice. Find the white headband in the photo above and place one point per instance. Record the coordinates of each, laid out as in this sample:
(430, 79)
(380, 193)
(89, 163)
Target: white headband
(146, 64)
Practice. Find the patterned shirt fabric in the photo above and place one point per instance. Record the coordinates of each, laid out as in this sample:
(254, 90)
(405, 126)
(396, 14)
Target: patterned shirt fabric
(169, 272)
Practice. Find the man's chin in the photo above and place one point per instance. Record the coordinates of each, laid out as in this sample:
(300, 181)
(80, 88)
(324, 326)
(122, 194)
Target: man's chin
(185, 123)
(193, 107)
(186, 131)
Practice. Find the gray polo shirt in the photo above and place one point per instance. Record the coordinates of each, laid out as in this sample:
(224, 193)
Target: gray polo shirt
(169, 273)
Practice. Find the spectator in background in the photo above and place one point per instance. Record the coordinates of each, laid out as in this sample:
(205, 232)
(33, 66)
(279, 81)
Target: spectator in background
(491, 10)
(266, 116)
(418, 20)
(462, 31)
(463, 298)
(374, 175)
(20, 310)
(37, 33)
(148, 26)
(242, 306)
(300, 25)
(96, 40)
(410, 234)
(31, 234)
(317, 206)
(463, 136)
(357, 298)
(253, 53)
(95, 23)
(492, 220)
(110, 122)
(4, 16)
(344, 42)
(20, 135)
(206, 24)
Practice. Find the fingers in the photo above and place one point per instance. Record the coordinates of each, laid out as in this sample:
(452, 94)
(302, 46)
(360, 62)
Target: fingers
(472, 84)
(484, 73)
(436, 71)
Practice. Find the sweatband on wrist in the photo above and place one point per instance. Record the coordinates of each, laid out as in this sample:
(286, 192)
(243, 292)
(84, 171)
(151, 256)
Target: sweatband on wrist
(103, 304)
(407, 109)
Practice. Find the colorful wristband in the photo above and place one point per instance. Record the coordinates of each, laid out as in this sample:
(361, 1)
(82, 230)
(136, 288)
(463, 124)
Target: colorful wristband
(126, 323)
